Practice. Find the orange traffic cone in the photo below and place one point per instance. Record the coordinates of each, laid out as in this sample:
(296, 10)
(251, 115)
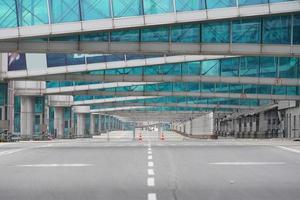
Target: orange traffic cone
(162, 136)
(140, 137)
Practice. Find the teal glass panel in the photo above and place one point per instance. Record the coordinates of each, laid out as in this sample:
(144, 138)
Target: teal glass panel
(288, 67)
(207, 87)
(39, 105)
(292, 90)
(64, 11)
(95, 37)
(95, 9)
(251, 2)
(277, 30)
(211, 4)
(279, 90)
(51, 120)
(33, 12)
(125, 36)
(186, 33)
(189, 5)
(157, 6)
(246, 31)
(160, 34)
(191, 68)
(8, 14)
(126, 8)
(264, 89)
(217, 32)
(250, 89)
(3, 94)
(236, 88)
(249, 66)
(210, 68)
(268, 67)
(17, 113)
(230, 67)
(296, 34)
(222, 87)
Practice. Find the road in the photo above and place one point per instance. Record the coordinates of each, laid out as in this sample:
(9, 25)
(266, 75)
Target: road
(90, 169)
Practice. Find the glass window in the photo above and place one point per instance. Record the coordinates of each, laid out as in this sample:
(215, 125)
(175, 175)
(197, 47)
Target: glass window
(189, 5)
(125, 36)
(288, 67)
(246, 31)
(218, 32)
(230, 67)
(296, 29)
(211, 4)
(160, 34)
(186, 33)
(279, 90)
(251, 2)
(157, 6)
(95, 9)
(268, 67)
(277, 30)
(210, 68)
(249, 66)
(125, 8)
(65, 11)
(33, 12)
(8, 14)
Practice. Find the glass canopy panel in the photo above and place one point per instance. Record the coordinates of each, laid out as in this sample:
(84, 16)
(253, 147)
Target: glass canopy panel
(159, 34)
(230, 67)
(217, 32)
(211, 4)
(288, 67)
(279, 90)
(95, 37)
(191, 68)
(249, 66)
(3, 94)
(33, 12)
(296, 29)
(95, 9)
(268, 67)
(8, 15)
(186, 33)
(158, 6)
(125, 36)
(126, 8)
(65, 11)
(251, 2)
(189, 5)
(277, 30)
(246, 31)
(210, 68)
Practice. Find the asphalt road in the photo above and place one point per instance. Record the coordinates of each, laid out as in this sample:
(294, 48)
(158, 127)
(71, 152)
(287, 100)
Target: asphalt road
(150, 169)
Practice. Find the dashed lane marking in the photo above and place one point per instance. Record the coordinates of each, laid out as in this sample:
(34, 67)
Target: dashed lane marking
(56, 165)
(150, 157)
(150, 164)
(150, 172)
(152, 196)
(150, 182)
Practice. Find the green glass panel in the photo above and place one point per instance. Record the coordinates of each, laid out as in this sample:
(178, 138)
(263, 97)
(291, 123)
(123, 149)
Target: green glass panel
(95, 9)
(33, 12)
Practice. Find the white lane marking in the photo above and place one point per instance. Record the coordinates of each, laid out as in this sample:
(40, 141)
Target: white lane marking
(149, 152)
(8, 152)
(248, 163)
(150, 164)
(149, 149)
(150, 172)
(151, 196)
(150, 157)
(289, 149)
(56, 165)
(150, 182)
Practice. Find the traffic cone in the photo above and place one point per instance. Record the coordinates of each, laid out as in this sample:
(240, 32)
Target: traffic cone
(140, 137)
(162, 136)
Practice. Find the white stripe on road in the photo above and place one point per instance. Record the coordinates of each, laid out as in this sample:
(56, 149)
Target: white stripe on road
(247, 163)
(56, 165)
(149, 152)
(289, 149)
(150, 182)
(150, 172)
(151, 196)
(150, 164)
(150, 157)
(8, 152)
(149, 149)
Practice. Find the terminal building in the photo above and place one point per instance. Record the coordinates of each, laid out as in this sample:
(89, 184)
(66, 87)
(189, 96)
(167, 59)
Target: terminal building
(202, 68)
